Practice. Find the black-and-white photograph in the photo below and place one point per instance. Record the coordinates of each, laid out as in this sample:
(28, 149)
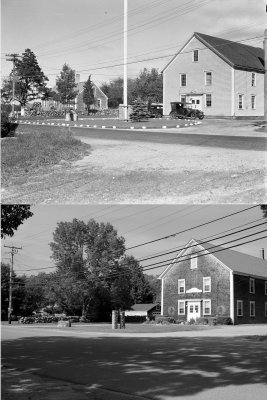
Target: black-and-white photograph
(133, 199)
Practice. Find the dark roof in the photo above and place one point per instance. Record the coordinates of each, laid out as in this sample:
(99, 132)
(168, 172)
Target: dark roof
(236, 54)
(142, 307)
(238, 262)
(239, 55)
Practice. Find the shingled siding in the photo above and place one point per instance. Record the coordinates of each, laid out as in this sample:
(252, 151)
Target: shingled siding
(100, 98)
(241, 292)
(208, 266)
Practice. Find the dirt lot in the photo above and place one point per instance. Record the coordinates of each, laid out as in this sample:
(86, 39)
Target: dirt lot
(204, 167)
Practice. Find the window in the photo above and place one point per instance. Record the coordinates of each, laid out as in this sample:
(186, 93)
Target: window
(181, 307)
(183, 98)
(253, 102)
(253, 79)
(239, 308)
(206, 307)
(98, 103)
(251, 285)
(208, 100)
(252, 308)
(181, 286)
(195, 55)
(240, 101)
(206, 284)
(265, 288)
(208, 78)
(266, 310)
(193, 264)
(182, 79)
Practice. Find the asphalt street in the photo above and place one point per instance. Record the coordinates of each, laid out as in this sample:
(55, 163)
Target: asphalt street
(207, 366)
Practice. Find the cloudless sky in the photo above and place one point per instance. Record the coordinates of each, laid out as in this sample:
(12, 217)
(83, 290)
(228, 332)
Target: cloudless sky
(88, 34)
(137, 224)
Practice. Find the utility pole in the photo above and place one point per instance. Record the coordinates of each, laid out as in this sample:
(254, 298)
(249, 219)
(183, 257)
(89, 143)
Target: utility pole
(14, 250)
(14, 57)
(125, 100)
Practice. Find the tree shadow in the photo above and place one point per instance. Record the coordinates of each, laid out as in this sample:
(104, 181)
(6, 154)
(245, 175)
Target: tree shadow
(151, 367)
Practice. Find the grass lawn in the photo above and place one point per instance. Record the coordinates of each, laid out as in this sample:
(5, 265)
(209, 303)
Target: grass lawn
(31, 152)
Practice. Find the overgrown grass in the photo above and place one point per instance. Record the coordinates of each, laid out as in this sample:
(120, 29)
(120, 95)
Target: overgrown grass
(29, 152)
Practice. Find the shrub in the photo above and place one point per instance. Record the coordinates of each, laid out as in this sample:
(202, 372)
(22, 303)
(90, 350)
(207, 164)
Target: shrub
(135, 318)
(8, 127)
(223, 320)
(162, 319)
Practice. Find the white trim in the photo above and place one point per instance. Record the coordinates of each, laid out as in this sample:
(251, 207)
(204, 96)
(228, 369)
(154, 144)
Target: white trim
(242, 310)
(205, 278)
(193, 262)
(182, 284)
(253, 309)
(203, 307)
(179, 302)
(233, 92)
(232, 312)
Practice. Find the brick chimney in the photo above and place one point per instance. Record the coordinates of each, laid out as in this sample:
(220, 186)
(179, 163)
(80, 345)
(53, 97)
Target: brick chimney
(265, 75)
(261, 254)
(77, 78)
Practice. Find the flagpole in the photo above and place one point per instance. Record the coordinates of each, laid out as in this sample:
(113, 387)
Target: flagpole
(125, 100)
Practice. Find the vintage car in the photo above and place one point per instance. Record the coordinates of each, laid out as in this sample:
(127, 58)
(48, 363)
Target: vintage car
(184, 110)
(155, 110)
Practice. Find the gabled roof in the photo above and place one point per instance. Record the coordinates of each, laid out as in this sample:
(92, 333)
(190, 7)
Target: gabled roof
(142, 307)
(239, 263)
(80, 86)
(238, 55)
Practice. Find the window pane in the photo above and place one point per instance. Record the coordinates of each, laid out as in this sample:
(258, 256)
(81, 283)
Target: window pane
(208, 100)
(208, 78)
(240, 101)
(195, 55)
(183, 79)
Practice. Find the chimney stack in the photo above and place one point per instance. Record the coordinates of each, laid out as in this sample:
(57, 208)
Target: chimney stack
(265, 75)
(77, 78)
(262, 254)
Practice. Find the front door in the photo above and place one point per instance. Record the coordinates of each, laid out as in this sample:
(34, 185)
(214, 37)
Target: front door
(196, 101)
(193, 310)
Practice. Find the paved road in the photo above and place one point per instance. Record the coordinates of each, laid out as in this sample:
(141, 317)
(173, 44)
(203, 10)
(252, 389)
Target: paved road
(131, 367)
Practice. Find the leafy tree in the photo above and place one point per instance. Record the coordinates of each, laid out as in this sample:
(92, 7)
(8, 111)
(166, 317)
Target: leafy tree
(18, 292)
(114, 91)
(12, 216)
(35, 288)
(30, 81)
(148, 86)
(155, 287)
(264, 210)
(140, 111)
(88, 94)
(65, 85)
(6, 90)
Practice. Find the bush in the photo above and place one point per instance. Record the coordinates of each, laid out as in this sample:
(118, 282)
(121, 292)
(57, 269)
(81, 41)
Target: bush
(135, 318)
(223, 320)
(162, 319)
(8, 127)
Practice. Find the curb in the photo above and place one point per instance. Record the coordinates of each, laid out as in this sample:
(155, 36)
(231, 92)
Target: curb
(108, 127)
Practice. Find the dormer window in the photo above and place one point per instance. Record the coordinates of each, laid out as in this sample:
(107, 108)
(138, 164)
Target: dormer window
(195, 55)
(193, 261)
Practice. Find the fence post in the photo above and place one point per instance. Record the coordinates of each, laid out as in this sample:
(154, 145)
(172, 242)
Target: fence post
(115, 316)
(122, 320)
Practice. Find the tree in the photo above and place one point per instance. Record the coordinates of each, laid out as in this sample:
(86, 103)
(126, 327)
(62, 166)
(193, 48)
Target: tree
(140, 111)
(30, 81)
(12, 216)
(155, 285)
(264, 210)
(88, 94)
(65, 85)
(114, 91)
(6, 90)
(148, 86)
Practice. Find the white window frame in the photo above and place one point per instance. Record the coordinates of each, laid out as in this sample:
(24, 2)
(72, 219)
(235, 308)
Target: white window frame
(179, 303)
(252, 308)
(197, 52)
(241, 102)
(252, 285)
(241, 308)
(181, 284)
(181, 80)
(207, 83)
(265, 288)
(253, 79)
(253, 105)
(205, 284)
(193, 262)
(209, 307)
(210, 96)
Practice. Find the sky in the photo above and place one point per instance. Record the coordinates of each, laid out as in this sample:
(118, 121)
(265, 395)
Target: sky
(138, 224)
(88, 34)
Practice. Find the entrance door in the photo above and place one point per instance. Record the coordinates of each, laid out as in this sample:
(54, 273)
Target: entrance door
(196, 101)
(193, 310)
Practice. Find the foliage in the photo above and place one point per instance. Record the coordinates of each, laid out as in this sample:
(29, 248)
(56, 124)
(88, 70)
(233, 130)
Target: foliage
(135, 318)
(35, 293)
(65, 85)
(264, 210)
(223, 320)
(18, 293)
(8, 127)
(155, 287)
(12, 216)
(148, 86)
(140, 111)
(30, 81)
(6, 91)
(88, 94)
(163, 319)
